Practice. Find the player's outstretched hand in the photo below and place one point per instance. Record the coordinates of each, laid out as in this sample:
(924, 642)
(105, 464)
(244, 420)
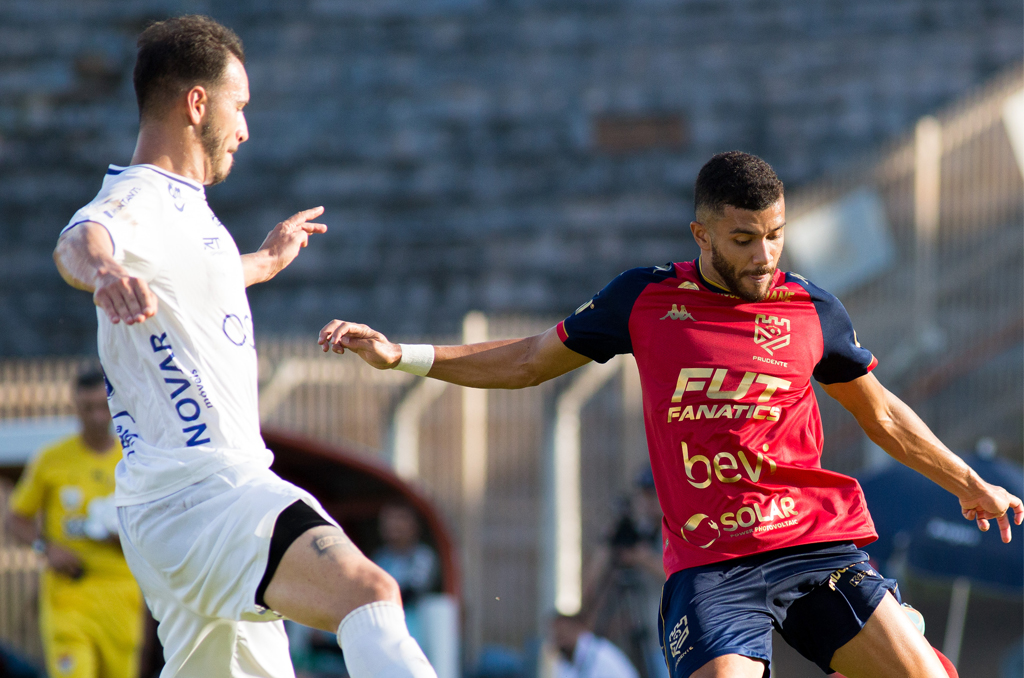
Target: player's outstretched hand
(64, 561)
(366, 342)
(993, 503)
(124, 298)
(281, 246)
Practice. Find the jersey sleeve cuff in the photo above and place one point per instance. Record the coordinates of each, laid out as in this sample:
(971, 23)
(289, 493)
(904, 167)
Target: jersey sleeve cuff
(845, 375)
(562, 334)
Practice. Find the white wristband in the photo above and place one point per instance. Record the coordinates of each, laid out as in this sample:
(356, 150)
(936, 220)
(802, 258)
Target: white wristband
(416, 359)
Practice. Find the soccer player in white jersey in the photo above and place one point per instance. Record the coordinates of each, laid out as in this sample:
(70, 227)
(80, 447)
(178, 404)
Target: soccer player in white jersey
(221, 546)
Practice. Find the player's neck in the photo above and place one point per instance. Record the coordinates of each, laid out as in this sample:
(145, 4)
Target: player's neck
(175, 150)
(99, 442)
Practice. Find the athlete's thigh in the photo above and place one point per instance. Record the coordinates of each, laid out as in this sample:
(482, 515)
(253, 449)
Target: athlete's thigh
(262, 649)
(208, 544)
(731, 666)
(889, 646)
(201, 646)
(117, 659)
(714, 622)
(221, 648)
(323, 576)
(69, 654)
(119, 622)
(119, 647)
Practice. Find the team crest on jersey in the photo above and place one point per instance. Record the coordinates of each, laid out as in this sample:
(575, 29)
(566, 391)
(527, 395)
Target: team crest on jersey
(65, 664)
(678, 312)
(687, 285)
(176, 198)
(71, 497)
(771, 332)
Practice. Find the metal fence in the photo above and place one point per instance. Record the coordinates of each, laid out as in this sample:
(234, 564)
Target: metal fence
(19, 588)
(37, 388)
(939, 301)
(945, 314)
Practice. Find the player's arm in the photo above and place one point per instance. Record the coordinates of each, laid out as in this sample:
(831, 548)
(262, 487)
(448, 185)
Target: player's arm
(26, 530)
(506, 363)
(85, 259)
(281, 246)
(893, 426)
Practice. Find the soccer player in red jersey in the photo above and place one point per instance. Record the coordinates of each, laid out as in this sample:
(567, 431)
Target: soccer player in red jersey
(757, 535)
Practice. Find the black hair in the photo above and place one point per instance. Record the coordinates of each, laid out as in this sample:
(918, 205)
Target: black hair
(735, 178)
(89, 379)
(180, 53)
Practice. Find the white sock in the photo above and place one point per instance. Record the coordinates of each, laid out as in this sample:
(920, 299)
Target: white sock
(377, 644)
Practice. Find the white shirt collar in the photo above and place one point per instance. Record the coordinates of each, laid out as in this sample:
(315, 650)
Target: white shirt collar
(114, 170)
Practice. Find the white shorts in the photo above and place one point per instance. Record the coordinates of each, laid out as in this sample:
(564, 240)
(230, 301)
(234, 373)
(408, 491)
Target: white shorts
(199, 555)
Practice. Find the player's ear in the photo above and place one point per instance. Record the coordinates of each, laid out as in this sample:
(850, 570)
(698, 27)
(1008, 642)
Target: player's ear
(701, 235)
(197, 101)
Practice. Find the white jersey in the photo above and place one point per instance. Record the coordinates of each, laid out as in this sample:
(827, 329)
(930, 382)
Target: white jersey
(181, 385)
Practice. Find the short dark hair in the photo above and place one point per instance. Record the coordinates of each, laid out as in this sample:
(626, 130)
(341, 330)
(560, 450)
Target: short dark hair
(89, 379)
(177, 54)
(735, 178)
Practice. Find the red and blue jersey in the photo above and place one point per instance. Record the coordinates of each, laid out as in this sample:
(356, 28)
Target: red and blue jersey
(732, 422)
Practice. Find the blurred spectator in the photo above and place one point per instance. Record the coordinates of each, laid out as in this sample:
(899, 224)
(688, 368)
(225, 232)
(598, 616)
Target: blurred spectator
(581, 654)
(90, 608)
(405, 557)
(623, 580)
(499, 662)
(412, 563)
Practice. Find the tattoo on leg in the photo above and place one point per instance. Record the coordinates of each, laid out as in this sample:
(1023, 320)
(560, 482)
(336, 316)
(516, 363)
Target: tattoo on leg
(322, 544)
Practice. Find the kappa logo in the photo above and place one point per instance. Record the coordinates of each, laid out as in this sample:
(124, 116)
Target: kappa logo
(679, 634)
(678, 312)
(771, 332)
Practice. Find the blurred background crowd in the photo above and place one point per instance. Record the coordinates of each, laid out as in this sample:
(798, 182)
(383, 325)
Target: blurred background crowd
(486, 166)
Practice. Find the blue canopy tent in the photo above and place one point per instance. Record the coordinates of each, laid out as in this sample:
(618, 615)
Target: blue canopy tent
(920, 526)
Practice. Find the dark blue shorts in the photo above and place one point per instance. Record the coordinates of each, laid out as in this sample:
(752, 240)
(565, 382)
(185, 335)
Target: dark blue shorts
(818, 597)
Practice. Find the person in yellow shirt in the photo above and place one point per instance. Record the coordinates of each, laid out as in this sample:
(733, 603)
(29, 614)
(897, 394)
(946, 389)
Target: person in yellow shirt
(90, 607)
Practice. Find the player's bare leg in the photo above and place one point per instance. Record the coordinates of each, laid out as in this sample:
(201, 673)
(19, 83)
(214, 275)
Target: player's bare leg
(889, 646)
(324, 581)
(731, 666)
(323, 576)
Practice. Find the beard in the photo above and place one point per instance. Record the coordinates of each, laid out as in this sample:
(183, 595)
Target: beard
(734, 278)
(213, 148)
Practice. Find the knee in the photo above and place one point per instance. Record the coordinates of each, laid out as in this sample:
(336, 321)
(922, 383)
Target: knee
(377, 585)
